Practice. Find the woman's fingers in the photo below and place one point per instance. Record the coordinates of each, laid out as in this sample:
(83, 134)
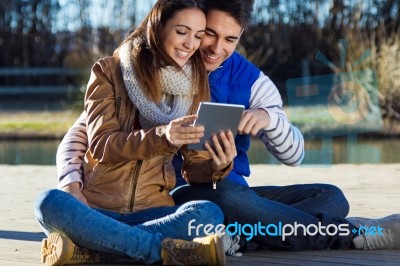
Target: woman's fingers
(180, 131)
(223, 150)
(184, 121)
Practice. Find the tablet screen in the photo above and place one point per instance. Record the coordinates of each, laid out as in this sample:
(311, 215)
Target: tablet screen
(216, 117)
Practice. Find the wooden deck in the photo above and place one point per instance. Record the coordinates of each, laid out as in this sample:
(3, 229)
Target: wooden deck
(373, 191)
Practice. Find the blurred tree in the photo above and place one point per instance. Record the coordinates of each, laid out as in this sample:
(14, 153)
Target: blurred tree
(27, 32)
(68, 33)
(287, 34)
(283, 40)
(99, 29)
(389, 11)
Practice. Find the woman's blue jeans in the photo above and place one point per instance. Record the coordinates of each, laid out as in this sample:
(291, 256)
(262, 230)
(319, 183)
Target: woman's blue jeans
(136, 235)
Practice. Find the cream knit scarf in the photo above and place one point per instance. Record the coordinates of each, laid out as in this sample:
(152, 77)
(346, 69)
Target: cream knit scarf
(177, 95)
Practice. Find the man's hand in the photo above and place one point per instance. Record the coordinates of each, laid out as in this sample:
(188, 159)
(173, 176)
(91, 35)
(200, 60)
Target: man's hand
(252, 121)
(75, 190)
(224, 150)
(179, 133)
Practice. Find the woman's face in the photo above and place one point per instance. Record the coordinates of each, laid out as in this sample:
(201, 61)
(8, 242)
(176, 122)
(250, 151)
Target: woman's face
(182, 34)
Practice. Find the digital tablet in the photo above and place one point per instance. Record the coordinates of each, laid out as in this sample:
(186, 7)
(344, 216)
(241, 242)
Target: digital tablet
(216, 117)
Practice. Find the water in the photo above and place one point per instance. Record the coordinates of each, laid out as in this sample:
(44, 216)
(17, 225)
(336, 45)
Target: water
(35, 152)
(338, 150)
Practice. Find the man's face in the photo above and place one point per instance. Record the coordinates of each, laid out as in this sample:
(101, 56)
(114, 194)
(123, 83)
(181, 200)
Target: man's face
(222, 36)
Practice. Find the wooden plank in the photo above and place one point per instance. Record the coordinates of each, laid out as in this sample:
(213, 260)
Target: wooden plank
(20, 233)
(324, 257)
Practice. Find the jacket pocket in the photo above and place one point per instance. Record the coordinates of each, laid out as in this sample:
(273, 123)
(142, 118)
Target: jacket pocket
(95, 175)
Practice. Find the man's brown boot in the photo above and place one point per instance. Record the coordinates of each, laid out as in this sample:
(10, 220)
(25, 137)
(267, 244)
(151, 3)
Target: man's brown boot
(201, 251)
(58, 250)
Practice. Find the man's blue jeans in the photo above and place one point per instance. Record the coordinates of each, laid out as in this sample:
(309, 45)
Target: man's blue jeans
(135, 235)
(305, 204)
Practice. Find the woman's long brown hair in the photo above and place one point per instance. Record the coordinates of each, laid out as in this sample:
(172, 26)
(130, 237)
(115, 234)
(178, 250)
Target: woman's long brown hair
(150, 55)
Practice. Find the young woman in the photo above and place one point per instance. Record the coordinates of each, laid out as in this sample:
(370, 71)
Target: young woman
(137, 105)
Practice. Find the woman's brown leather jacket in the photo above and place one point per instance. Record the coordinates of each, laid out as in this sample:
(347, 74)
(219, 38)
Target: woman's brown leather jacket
(127, 169)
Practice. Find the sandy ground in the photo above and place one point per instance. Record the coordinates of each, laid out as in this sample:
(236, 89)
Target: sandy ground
(372, 190)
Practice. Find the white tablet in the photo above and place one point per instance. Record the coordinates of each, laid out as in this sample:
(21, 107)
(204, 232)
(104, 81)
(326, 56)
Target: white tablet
(216, 117)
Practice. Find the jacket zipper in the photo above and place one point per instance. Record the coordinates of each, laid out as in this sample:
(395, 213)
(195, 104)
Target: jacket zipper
(134, 184)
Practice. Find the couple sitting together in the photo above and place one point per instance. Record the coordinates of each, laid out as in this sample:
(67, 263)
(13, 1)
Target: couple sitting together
(119, 162)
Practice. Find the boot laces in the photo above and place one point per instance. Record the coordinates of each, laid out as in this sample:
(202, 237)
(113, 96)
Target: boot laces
(185, 252)
(81, 254)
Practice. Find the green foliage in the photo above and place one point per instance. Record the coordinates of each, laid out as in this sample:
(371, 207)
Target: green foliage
(36, 124)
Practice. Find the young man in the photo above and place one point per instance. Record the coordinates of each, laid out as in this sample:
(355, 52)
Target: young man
(235, 80)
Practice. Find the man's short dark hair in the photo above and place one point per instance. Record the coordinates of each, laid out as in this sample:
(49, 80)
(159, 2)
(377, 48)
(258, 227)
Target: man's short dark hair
(241, 10)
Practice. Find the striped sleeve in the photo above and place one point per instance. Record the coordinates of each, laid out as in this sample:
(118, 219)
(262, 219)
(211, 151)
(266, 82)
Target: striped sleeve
(282, 139)
(70, 153)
